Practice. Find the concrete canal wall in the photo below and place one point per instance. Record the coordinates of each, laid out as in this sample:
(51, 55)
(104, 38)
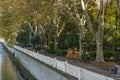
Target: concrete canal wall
(46, 68)
(39, 69)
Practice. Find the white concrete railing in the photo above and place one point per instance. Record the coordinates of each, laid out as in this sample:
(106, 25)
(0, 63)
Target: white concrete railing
(80, 73)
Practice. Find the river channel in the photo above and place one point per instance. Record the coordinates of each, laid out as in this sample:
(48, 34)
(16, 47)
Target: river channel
(7, 69)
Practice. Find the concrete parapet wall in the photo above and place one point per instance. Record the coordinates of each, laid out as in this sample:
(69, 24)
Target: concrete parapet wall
(36, 69)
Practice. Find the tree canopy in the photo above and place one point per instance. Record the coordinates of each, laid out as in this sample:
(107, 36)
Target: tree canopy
(96, 22)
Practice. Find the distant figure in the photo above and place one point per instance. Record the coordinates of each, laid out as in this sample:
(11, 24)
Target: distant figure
(113, 70)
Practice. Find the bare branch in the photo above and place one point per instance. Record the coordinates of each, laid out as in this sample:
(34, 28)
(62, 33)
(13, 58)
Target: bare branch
(32, 29)
(90, 26)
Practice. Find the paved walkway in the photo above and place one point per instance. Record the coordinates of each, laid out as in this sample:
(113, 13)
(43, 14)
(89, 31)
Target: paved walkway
(84, 65)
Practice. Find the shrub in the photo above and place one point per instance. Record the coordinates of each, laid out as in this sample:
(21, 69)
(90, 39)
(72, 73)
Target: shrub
(59, 52)
(93, 55)
(64, 52)
(118, 62)
(44, 48)
(107, 54)
(35, 41)
(116, 57)
(38, 48)
(51, 51)
(51, 45)
(85, 57)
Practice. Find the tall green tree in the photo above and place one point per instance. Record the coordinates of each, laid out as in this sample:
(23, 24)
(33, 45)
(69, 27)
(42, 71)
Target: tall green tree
(97, 32)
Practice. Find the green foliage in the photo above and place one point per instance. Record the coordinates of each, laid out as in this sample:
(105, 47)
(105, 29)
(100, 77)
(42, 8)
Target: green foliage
(51, 45)
(59, 52)
(116, 37)
(36, 41)
(107, 54)
(17, 12)
(69, 37)
(118, 62)
(93, 55)
(50, 51)
(23, 37)
(58, 13)
(116, 56)
(85, 57)
(110, 13)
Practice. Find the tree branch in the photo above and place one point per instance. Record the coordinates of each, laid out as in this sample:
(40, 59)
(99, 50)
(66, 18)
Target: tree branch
(90, 26)
(32, 29)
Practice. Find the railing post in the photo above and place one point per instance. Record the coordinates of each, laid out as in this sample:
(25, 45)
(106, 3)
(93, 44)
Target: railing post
(80, 74)
(65, 66)
(55, 66)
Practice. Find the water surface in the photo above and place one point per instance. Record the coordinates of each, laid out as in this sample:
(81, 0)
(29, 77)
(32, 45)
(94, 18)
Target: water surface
(7, 70)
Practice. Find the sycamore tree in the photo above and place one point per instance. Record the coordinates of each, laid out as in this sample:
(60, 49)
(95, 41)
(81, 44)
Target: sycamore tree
(39, 13)
(97, 30)
(94, 12)
(56, 16)
(95, 20)
(9, 20)
(18, 12)
(72, 9)
(35, 13)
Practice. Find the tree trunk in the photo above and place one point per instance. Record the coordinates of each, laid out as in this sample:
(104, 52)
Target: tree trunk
(48, 41)
(73, 50)
(31, 28)
(56, 37)
(30, 37)
(55, 42)
(99, 52)
(99, 34)
(80, 42)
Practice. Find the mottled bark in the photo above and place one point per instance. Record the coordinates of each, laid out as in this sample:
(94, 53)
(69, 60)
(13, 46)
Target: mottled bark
(55, 42)
(31, 28)
(98, 34)
(80, 45)
(99, 52)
